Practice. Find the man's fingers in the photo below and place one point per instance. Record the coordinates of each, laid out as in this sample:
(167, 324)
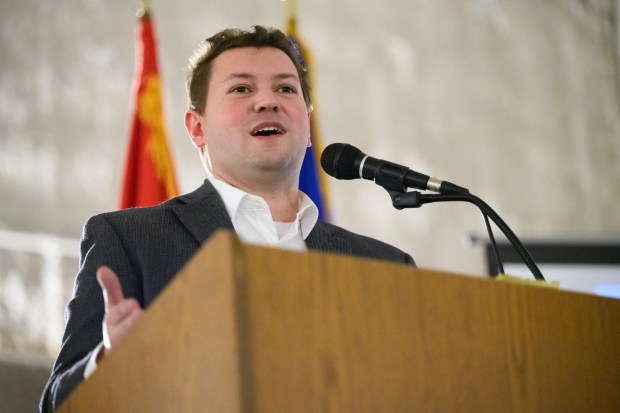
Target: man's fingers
(118, 313)
(111, 286)
(127, 323)
(119, 321)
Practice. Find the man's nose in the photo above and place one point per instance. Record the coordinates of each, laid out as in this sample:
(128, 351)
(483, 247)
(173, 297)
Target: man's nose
(267, 101)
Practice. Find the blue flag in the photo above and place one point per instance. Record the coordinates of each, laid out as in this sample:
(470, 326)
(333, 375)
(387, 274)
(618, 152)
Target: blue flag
(311, 177)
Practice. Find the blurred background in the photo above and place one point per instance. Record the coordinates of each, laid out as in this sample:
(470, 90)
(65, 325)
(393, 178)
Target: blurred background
(516, 100)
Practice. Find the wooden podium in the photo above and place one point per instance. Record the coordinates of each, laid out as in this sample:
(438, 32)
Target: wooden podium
(254, 329)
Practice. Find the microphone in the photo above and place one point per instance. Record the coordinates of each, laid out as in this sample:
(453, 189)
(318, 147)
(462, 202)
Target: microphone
(344, 161)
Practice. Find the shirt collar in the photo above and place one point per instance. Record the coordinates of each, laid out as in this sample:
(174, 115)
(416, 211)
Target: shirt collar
(307, 211)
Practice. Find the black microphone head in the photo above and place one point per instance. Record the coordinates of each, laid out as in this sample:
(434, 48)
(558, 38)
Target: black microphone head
(338, 160)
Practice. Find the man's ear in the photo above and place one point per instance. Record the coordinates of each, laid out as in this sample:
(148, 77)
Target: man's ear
(194, 123)
(310, 123)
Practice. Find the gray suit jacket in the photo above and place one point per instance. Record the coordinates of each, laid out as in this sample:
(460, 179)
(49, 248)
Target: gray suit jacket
(146, 247)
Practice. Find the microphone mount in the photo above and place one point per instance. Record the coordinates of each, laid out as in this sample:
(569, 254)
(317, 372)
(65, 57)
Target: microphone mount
(395, 177)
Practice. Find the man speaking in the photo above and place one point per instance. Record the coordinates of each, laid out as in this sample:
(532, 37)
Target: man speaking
(249, 116)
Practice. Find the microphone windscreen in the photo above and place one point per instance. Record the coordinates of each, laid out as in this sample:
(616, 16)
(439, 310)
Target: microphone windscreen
(338, 160)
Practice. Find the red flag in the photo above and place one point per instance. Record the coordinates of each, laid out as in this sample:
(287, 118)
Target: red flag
(148, 177)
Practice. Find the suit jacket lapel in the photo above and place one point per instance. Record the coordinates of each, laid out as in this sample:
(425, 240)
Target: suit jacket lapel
(202, 212)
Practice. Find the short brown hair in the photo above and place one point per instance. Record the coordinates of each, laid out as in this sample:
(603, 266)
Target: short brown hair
(199, 68)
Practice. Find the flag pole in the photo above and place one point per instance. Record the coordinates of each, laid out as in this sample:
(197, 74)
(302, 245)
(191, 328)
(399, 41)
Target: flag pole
(291, 7)
(143, 8)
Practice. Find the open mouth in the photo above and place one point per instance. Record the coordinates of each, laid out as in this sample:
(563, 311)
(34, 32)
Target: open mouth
(268, 131)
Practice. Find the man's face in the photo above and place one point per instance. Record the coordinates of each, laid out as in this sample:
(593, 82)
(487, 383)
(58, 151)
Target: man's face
(255, 118)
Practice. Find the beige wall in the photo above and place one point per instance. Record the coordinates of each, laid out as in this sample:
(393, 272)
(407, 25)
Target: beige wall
(516, 100)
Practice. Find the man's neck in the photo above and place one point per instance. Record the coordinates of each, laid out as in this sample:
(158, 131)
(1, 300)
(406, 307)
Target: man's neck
(284, 207)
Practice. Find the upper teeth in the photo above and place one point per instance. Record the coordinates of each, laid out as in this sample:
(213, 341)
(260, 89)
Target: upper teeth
(267, 129)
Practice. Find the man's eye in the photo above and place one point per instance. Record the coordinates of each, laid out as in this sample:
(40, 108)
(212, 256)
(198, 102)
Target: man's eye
(240, 89)
(288, 89)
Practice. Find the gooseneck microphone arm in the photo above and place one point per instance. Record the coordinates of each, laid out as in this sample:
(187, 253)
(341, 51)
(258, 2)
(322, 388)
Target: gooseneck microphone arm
(416, 199)
(344, 161)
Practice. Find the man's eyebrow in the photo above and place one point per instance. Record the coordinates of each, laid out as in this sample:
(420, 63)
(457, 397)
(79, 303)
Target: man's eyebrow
(282, 76)
(238, 76)
(279, 76)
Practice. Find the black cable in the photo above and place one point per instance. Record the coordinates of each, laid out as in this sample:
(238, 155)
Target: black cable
(415, 199)
(498, 258)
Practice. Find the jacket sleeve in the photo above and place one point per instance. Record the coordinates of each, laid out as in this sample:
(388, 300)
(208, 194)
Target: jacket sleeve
(100, 245)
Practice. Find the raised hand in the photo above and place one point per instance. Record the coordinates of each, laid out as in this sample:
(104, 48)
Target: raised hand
(121, 313)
